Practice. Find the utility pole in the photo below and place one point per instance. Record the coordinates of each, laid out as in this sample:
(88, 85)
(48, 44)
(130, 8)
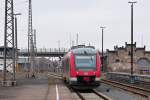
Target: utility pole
(35, 47)
(102, 27)
(59, 45)
(73, 43)
(35, 40)
(132, 77)
(16, 42)
(30, 40)
(142, 40)
(70, 40)
(9, 42)
(77, 40)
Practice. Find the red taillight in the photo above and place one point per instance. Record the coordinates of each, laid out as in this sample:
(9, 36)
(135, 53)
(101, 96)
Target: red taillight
(72, 65)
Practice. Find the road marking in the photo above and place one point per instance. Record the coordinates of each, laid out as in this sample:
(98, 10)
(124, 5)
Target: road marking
(57, 93)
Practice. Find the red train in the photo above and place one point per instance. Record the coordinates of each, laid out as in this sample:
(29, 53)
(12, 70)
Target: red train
(81, 67)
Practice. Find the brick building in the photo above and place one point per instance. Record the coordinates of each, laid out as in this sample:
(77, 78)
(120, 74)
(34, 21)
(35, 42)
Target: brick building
(119, 59)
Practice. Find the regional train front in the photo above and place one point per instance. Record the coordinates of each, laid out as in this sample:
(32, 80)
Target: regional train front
(84, 69)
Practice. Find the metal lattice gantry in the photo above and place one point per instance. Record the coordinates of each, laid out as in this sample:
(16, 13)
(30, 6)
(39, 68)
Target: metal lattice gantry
(31, 53)
(9, 39)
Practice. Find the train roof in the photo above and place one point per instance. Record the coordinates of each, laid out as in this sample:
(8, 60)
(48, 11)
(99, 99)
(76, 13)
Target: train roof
(84, 50)
(82, 46)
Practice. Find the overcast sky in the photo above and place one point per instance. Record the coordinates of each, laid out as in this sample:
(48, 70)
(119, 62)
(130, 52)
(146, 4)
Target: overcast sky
(60, 20)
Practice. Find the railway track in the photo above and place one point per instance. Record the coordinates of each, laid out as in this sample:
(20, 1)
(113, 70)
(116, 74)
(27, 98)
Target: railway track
(141, 84)
(90, 95)
(133, 89)
(58, 76)
(84, 94)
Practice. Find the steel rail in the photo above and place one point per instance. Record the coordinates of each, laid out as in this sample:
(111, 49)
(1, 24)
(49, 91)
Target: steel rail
(80, 95)
(101, 95)
(126, 87)
(55, 75)
(125, 84)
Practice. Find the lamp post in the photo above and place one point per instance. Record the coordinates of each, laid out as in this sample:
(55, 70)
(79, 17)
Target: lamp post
(102, 27)
(16, 42)
(132, 77)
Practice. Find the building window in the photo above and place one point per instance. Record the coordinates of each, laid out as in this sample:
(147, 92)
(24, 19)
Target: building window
(129, 53)
(117, 60)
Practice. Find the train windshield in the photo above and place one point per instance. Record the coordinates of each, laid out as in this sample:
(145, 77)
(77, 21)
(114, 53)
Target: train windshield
(85, 62)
